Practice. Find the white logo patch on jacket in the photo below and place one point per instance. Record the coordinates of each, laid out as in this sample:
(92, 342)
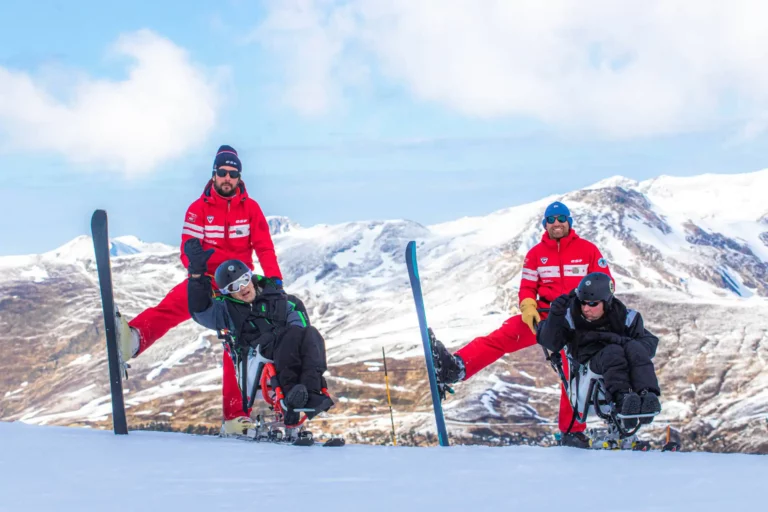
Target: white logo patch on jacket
(575, 270)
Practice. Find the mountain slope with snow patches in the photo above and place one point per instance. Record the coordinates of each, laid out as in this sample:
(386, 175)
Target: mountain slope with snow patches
(690, 253)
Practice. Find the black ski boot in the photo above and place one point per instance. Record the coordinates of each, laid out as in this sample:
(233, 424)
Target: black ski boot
(575, 440)
(297, 397)
(449, 368)
(318, 402)
(650, 405)
(291, 418)
(628, 404)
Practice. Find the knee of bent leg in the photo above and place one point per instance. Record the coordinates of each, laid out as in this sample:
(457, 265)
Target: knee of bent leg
(613, 351)
(637, 352)
(612, 356)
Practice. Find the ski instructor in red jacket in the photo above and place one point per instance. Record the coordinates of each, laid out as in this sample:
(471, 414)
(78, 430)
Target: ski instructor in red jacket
(226, 219)
(553, 267)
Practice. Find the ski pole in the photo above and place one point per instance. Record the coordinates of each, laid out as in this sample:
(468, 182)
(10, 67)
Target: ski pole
(389, 398)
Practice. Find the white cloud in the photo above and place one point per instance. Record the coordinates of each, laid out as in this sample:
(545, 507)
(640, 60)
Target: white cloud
(622, 69)
(165, 105)
(311, 43)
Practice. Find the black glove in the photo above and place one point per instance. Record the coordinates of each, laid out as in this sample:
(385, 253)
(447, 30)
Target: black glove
(559, 306)
(198, 258)
(271, 285)
(606, 337)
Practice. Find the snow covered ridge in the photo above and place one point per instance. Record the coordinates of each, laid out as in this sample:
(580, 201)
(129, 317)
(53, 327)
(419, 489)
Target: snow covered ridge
(279, 225)
(690, 253)
(80, 250)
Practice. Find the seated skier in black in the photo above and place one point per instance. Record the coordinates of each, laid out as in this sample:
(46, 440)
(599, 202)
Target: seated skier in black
(600, 330)
(259, 314)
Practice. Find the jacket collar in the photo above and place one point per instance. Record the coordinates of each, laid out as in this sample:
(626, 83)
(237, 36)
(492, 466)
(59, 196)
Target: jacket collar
(613, 320)
(212, 197)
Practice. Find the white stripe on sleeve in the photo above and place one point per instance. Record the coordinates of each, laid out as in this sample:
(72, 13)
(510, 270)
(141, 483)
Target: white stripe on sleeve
(195, 234)
(193, 227)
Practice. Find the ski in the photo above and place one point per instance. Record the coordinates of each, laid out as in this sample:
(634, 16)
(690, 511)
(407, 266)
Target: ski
(599, 440)
(335, 442)
(100, 234)
(303, 438)
(672, 440)
(268, 429)
(437, 390)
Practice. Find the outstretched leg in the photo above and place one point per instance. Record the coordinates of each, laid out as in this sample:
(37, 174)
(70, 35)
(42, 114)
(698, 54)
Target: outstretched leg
(513, 335)
(154, 322)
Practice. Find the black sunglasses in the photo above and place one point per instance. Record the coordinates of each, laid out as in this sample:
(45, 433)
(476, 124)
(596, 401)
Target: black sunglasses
(561, 218)
(223, 172)
(590, 303)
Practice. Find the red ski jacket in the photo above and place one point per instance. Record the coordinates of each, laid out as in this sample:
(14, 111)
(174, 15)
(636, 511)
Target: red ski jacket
(554, 267)
(233, 226)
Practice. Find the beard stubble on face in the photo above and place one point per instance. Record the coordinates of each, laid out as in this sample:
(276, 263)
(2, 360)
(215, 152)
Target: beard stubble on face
(557, 231)
(225, 189)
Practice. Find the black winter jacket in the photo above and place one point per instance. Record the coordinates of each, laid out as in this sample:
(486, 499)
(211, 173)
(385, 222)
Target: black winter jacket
(571, 329)
(260, 322)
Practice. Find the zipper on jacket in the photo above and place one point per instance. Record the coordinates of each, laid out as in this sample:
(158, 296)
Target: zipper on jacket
(562, 270)
(226, 221)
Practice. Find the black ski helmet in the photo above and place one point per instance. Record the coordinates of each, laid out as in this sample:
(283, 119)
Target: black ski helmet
(596, 286)
(229, 272)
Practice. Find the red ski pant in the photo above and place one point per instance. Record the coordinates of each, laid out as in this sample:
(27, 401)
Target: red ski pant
(154, 322)
(231, 397)
(512, 336)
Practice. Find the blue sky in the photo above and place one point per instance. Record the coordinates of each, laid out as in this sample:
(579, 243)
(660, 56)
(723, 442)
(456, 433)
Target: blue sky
(356, 111)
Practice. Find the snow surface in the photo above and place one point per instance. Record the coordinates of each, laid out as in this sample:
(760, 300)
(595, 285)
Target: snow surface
(60, 468)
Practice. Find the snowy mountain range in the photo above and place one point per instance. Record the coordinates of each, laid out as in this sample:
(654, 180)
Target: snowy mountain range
(690, 253)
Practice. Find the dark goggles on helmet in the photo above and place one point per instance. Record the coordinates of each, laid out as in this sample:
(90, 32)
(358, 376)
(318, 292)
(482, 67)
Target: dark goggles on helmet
(223, 172)
(238, 284)
(560, 218)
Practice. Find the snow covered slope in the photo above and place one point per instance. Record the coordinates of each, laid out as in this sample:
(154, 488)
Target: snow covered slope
(87, 470)
(690, 253)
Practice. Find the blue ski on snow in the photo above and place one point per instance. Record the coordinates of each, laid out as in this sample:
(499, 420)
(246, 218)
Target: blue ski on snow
(413, 274)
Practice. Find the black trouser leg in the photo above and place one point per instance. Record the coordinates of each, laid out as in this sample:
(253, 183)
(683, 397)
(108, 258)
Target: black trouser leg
(641, 371)
(300, 358)
(612, 364)
(313, 362)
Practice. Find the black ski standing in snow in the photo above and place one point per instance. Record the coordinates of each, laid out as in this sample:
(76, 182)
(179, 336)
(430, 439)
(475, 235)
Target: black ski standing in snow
(437, 389)
(100, 233)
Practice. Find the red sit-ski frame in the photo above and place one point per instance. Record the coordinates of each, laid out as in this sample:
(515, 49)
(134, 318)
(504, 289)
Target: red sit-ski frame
(274, 396)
